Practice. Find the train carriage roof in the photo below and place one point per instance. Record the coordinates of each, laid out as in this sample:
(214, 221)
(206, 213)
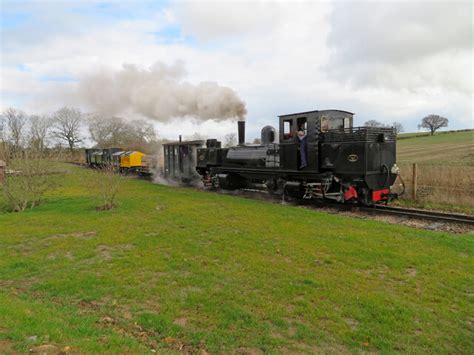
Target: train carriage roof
(131, 152)
(314, 111)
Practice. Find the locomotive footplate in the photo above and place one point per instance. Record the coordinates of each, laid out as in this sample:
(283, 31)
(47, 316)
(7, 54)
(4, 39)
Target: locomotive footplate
(266, 173)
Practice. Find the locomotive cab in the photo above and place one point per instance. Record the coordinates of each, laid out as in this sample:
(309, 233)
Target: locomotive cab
(312, 123)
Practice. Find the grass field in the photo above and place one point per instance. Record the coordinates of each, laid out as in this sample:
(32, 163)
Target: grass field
(175, 269)
(454, 148)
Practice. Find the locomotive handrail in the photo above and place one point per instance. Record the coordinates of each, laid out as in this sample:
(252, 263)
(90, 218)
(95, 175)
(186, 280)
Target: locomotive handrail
(361, 129)
(359, 134)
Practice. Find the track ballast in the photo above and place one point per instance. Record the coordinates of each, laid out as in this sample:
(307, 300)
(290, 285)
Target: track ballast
(421, 214)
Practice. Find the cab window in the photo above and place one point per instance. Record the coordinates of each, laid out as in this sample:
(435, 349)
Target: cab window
(338, 123)
(324, 124)
(301, 123)
(347, 122)
(287, 129)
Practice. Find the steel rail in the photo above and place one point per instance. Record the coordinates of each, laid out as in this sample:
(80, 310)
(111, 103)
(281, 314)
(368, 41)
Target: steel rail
(420, 214)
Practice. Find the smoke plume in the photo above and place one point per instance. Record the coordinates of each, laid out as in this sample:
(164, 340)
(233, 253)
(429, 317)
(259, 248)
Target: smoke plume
(159, 93)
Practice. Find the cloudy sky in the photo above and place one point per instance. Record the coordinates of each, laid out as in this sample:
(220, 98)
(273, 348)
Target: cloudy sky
(389, 61)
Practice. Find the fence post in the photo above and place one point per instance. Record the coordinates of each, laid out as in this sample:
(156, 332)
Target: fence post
(3, 167)
(414, 181)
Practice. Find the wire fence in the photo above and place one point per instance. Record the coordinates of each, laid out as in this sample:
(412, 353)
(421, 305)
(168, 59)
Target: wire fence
(452, 184)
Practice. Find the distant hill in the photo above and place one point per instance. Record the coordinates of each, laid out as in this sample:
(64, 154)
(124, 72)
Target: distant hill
(451, 147)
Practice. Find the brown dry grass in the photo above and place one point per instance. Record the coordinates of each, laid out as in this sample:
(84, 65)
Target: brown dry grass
(444, 184)
(445, 169)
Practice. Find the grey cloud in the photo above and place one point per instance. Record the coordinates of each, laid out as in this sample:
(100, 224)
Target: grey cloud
(402, 45)
(218, 20)
(213, 20)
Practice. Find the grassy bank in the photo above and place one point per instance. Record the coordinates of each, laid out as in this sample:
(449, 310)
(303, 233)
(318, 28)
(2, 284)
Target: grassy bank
(176, 269)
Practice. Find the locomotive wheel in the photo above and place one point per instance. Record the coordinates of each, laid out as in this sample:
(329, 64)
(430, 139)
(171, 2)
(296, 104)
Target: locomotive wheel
(293, 191)
(215, 182)
(275, 186)
(232, 182)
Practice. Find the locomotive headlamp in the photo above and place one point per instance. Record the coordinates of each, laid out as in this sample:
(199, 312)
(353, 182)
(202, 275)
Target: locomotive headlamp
(395, 169)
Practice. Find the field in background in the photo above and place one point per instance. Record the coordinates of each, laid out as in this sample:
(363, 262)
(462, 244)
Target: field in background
(445, 164)
(452, 148)
(427, 134)
(176, 269)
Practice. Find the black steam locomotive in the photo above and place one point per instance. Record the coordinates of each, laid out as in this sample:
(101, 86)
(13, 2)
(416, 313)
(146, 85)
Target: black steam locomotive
(319, 154)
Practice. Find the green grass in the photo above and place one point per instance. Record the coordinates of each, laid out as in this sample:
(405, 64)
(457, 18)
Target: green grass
(453, 148)
(427, 133)
(176, 268)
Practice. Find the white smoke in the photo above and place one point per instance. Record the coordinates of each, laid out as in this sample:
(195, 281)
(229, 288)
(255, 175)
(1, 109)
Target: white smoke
(159, 93)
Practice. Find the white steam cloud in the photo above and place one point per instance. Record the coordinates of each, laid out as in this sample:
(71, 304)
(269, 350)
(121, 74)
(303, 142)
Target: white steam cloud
(159, 93)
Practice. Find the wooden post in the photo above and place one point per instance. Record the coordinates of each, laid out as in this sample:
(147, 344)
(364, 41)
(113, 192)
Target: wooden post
(414, 181)
(2, 171)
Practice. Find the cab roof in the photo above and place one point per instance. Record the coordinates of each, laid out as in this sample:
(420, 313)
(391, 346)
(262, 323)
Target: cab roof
(314, 111)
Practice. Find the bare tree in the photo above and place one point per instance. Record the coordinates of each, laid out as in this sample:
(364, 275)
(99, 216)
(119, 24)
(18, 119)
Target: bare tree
(143, 134)
(398, 127)
(66, 126)
(105, 184)
(433, 123)
(230, 140)
(3, 144)
(2, 127)
(374, 123)
(15, 121)
(117, 132)
(257, 141)
(107, 132)
(39, 130)
(30, 178)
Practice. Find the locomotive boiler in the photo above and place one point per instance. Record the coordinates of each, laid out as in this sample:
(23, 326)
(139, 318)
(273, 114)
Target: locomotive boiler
(315, 154)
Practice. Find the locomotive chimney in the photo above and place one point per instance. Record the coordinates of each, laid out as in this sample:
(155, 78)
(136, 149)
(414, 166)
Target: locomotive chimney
(241, 129)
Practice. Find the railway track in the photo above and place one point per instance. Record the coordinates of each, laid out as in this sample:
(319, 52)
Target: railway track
(441, 217)
(408, 213)
(405, 213)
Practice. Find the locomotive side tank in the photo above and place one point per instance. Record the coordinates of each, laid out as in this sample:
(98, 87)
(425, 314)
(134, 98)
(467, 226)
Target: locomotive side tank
(319, 155)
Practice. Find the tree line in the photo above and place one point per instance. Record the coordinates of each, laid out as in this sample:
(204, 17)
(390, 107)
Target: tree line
(430, 122)
(68, 129)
